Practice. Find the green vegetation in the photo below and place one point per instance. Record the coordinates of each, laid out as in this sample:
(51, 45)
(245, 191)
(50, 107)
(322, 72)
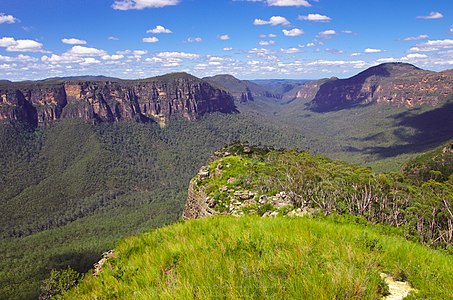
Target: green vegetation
(58, 282)
(71, 192)
(267, 258)
(422, 208)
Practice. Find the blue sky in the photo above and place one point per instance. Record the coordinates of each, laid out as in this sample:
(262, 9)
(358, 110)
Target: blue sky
(304, 39)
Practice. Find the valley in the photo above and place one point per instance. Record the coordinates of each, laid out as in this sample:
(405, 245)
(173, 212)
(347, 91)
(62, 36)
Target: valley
(88, 161)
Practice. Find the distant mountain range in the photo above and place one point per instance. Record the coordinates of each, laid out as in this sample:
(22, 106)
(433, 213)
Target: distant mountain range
(181, 95)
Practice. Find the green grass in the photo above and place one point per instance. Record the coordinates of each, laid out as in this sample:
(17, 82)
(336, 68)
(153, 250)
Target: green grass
(262, 258)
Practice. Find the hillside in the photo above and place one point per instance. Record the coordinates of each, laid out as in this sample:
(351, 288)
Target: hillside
(400, 84)
(159, 99)
(69, 192)
(267, 258)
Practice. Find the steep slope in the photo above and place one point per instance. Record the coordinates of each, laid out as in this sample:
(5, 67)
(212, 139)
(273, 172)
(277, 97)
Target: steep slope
(177, 95)
(242, 90)
(397, 83)
(71, 191)
(267, 258)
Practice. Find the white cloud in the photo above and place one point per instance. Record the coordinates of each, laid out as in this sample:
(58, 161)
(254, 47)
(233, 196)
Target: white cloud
(372, 50)
(8, 19)
(356, 54)
(13, 45)
(293, 32)
(290, 50)
(274, 20)
(154, 59)
(19, 58)
(432, 16)
(315, 18)
(194, 40)
(433, 45)
(451, 29)
(354, 63)
(177, 55)
(85, 51)
(416, 38)
(266, 43)
(141, 4)
(113, 38)
(224, 37)
(227, 49)
(159, 29)
(386, 60)
(73, 41)
(326, 34)
(311, 45)
(416, 55)
(152, 39)
(112, 57)
(89, 61)
(62, 59)
(288, 3)
(139, 52)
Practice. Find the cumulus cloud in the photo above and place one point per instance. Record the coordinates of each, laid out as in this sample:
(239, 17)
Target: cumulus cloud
(19, 58)
(224, 37)
(112, 57)
(227, 49)
(113, 38)
(73, 41)
(178, 55)
(433, 45)
(327, 34)
(8, 19)
(451, 29)
(85, 51)
(13, 45)
(194, 40)
(354, 63)
(142, 4)
(416, 55)
(415, 38)
(432, 16)
(293, 32)
(152, 39)
(290, 50)
(288, 3)
(266, 43)
(315, 18)
(159, 29)
(372, 50)
(274, 21)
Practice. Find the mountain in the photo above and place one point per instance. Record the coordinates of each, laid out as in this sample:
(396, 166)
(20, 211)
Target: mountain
(399, 84)
(242, 90)
(159, 99)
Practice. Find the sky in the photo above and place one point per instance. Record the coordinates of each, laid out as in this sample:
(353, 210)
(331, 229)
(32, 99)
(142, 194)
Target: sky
(250, 39)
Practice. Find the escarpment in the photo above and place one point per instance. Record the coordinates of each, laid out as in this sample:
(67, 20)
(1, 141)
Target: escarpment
(155, 99)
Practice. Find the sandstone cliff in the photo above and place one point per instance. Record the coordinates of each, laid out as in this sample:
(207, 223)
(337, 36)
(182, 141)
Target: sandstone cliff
(396, 83)
(161, 98)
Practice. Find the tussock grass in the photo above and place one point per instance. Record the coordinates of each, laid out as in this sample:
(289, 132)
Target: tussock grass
(278, 258)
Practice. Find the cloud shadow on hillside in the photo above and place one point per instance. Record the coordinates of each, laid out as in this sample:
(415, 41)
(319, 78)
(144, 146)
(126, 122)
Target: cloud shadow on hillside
(432, 128)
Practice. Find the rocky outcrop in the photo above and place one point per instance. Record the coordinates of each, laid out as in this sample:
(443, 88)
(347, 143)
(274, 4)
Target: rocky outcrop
(160, 99)
(203, 201)
(396, 83)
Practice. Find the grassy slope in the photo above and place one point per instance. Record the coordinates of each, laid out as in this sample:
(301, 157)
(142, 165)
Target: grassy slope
(262, 258)
(81, 188)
